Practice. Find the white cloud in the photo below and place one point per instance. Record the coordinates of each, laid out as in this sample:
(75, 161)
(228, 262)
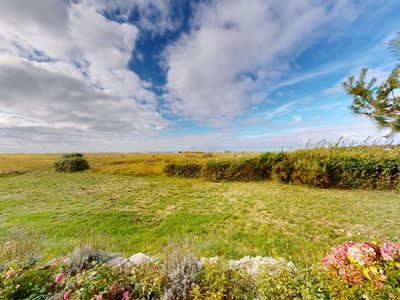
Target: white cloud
(65, 66)
(235, 49)
(18, 140)
(156, 16)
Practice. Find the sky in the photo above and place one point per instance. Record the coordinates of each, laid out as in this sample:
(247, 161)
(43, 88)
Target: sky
(180, 75)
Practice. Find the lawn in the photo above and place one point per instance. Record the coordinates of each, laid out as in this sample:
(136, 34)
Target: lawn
(131, 213)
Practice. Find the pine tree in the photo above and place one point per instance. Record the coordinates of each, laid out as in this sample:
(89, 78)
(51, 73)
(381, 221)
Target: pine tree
(379, 102)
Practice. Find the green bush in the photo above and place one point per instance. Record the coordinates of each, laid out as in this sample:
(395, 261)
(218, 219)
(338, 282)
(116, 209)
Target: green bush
(236, 170)
(324, 168)
(72, 155)
(278, 282)
(188, 170)
(363, 172)
(216, 281)
(33, 283)
(72, 163)
(310, 170)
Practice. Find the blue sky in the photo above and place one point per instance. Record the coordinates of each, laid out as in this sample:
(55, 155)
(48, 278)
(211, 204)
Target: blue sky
(169, 75)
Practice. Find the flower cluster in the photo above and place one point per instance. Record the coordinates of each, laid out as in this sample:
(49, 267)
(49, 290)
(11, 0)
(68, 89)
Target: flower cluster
(357, 262)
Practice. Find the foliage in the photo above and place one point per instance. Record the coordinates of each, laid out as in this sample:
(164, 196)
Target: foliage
(277, 281)
(83, 258)
(189, 170)
(372, 268)
(26, 283)
(216, 281)
(378, 102)
(180, 274)
(71, 163)
(325, 168)
(257, 168)
(72, 155)
(351, 271)
(149, 281)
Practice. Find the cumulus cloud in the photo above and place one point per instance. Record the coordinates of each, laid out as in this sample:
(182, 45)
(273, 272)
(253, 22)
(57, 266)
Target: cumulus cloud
(236, 48)
(65, 66)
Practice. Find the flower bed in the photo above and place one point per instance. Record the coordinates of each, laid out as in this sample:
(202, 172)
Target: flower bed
(350, 271)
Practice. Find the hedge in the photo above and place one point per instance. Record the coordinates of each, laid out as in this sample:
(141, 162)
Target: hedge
(189, 170)
(317, 168)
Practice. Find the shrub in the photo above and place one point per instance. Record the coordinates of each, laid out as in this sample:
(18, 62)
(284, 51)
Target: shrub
(236, 170)
(71, 163)
(180, 271)
(363, 172)
(104, 282)
(282, 168)
(23, 283)
(89, 283)
(216, 281)
(83, 258)
(325, 168)
(350, 271)
(311, 171)
(367, 267)
(72, 155)
(149, 280)
(189, 170)
(277, 281)
(216, 170)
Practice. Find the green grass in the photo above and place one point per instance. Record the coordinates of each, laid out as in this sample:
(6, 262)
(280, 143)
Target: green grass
(128, 214)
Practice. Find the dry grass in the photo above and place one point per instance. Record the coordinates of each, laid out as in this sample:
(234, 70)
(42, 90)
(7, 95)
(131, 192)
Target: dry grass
(111, 163)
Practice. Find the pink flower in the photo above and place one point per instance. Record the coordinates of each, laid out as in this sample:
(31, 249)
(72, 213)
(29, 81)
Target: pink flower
(337, 261)
(391, 251)
(99, 297)
(67, 294)
(125, 295)
(364, 254)
(59, 278)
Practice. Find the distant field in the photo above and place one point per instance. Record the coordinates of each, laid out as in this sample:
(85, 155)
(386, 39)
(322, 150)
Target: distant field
(111, 163)
(129, 213)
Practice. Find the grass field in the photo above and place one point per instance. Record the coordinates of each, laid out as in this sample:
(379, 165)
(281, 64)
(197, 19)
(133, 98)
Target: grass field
(129, 213)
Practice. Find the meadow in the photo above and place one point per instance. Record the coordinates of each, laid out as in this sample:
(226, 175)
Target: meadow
(125, 204)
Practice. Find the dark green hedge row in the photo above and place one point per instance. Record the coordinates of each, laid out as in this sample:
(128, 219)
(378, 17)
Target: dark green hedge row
(189, 170)
(73, 162)
(301, 167)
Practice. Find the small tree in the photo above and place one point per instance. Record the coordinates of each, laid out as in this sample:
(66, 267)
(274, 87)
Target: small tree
(379, 102)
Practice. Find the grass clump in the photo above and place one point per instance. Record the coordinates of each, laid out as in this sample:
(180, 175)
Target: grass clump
(73, 162)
